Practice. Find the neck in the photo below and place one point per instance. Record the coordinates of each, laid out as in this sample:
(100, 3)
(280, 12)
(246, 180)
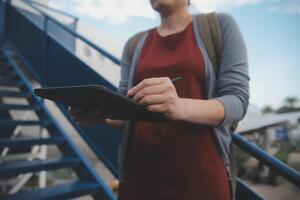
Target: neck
(176, 19)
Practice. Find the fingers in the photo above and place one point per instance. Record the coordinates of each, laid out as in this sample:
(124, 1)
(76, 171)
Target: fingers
(153, 99)
(146, 83)
(150, 90)
(158, 108)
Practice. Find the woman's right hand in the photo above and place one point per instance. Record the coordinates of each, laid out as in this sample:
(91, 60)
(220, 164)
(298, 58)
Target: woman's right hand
(93, 117)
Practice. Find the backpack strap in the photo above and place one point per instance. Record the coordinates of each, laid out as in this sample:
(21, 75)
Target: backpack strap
(211, 34)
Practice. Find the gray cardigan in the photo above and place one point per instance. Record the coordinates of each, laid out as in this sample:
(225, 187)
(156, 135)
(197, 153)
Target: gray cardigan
(231, 88)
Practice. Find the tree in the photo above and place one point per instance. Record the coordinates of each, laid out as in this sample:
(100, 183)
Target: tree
(267, 109)
(290, 102)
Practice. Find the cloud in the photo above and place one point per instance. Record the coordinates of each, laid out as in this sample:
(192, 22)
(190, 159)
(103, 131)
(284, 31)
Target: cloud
(285, 6)
(114, 11)
(211, 5)
(119, 11)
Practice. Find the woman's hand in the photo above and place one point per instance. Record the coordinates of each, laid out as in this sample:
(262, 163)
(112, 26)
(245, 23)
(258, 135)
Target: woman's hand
(159, 95)
(93, 117)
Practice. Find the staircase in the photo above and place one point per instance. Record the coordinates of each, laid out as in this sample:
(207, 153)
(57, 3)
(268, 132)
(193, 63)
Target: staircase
(14, 84)
(29, 50)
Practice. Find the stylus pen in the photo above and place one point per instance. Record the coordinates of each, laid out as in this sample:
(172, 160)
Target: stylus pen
(173, 80)
(176, 79)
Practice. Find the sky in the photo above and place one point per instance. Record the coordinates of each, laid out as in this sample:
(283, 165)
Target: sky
(271, 30)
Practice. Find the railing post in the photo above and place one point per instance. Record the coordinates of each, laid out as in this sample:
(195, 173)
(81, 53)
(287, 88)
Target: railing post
(75, 29)
(44, 78)
(2, 20)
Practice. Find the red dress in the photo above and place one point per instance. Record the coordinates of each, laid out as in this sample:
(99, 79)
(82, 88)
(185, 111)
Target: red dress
(175, 160)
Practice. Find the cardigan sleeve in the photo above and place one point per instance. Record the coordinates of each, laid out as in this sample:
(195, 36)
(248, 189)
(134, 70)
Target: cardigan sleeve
(232, 88)
(125, 68)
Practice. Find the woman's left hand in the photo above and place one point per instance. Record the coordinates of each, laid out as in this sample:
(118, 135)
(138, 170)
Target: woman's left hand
(159, 95)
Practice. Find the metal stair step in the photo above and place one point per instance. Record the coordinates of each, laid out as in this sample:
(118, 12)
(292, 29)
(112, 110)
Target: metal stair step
(10, 82)
(5, 65)
(13, 168)
(6, 123)
(57, 192)
(7, 72)
(7, 68)
(4, 93)
(28, 142)
(18, 107)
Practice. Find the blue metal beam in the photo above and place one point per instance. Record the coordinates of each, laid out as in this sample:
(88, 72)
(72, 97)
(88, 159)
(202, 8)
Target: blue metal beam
(4, 93)
(57, 192)
(18, 107)
(8, 123)
(244, 192)
(85, 170)
(2, 20)
(54, 10)
(77, 35)
(13, 168)
(287, 172)
(10, 82)
(28, 142)
(7, 73)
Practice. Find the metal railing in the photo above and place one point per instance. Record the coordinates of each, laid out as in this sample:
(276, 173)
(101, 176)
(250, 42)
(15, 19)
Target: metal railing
(53, 9)
(53, 64)
(284, 170)
(81, 74)
(75, 34)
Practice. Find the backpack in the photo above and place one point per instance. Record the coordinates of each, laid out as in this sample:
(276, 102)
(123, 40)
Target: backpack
(212, 36)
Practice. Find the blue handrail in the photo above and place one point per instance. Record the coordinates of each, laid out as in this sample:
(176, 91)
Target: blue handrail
(53, 9)
(92, 175)
(77, 35)
(290, 174)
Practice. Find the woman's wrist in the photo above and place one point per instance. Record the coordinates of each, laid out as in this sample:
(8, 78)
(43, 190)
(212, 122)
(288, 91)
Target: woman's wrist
(201, 111)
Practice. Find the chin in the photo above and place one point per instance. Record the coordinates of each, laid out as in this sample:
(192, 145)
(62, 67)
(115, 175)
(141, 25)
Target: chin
(160, 5)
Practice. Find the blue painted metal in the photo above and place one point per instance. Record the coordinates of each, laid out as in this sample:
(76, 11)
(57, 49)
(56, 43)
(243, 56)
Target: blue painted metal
(84, 170)
(7, 123)
(59, 63)
(16, 27)
(10, 82)
(282, 134)
(53, 9)
(2, 20)
(18, 107)
(79, 36)
(287, 172)
(14, 94)
(28, 142)
(6, 74)
(14, 168)
(6, 132)
(58, 192)
(244, 192)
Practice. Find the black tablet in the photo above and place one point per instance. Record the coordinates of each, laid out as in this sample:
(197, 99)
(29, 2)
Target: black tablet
(98, 97)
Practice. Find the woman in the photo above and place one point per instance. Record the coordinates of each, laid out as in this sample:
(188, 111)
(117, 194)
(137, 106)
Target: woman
(181, 159)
